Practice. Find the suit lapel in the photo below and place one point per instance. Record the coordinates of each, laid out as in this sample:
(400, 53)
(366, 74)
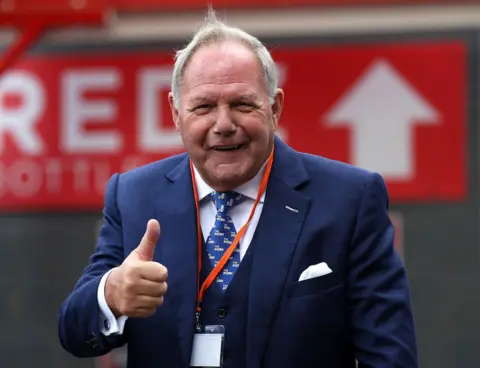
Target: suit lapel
(274, 243)
(175, 211)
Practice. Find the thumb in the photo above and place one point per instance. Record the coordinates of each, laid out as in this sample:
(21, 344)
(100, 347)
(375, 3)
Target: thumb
(146, 248)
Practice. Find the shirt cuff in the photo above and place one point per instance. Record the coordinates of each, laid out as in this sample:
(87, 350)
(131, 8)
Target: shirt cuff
(109, 325)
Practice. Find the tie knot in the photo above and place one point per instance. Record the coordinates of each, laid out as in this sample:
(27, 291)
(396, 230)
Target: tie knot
(226, 200)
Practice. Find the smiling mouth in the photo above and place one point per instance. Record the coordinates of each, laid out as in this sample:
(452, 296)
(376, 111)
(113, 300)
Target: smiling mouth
(227, 148)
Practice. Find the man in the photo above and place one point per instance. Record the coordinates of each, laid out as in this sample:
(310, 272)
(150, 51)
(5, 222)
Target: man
(234, 225)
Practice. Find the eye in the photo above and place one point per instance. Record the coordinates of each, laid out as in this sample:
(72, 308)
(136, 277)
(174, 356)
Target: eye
(243, 106)
(203, 108)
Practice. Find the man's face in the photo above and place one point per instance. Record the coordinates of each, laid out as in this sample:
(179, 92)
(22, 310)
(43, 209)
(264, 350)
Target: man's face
(224, 116)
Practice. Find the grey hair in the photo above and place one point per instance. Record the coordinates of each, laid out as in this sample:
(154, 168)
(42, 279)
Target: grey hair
(215, 31)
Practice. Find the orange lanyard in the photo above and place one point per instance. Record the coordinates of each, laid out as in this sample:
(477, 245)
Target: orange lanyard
(223, 261)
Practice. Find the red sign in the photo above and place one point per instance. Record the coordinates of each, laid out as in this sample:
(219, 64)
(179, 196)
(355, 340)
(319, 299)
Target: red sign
(68, 122)
(45, 6)
(395, 109)
(142, 5)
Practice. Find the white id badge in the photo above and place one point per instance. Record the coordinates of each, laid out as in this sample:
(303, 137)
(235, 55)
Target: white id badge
(208, 347)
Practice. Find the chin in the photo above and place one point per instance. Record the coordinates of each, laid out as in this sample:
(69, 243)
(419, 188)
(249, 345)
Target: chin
(229, 176)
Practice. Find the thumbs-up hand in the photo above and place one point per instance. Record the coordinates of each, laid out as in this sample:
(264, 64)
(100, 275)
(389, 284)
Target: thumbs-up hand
(136, 288)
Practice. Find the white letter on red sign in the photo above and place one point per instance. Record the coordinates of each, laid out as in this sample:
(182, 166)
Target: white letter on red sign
(20, 122)
(77, 111)
(25, 178)
(152, 136)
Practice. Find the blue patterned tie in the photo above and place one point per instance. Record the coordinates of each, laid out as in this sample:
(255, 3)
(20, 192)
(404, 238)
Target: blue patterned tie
(222, 235)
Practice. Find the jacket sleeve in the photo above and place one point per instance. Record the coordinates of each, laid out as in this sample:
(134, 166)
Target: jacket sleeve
(379, 296)
(79, 325)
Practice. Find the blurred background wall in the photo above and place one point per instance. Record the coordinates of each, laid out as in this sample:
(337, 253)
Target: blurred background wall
(387, 85)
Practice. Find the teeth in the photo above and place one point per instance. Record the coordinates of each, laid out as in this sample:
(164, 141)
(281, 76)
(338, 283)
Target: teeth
(226, 148)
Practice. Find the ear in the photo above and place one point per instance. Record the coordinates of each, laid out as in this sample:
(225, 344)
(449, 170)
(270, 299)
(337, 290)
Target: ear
(277, 106)
(174, 110)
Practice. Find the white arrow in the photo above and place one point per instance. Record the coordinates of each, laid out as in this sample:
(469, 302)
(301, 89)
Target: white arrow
(382, 109)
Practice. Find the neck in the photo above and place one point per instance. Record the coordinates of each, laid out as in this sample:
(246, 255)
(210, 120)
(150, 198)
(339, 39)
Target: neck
(230, 183)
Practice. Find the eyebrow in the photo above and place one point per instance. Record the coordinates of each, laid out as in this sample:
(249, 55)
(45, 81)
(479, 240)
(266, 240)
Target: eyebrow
(247, 96)
(197, 100)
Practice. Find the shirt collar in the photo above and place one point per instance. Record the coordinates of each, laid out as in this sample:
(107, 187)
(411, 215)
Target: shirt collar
(249, 189)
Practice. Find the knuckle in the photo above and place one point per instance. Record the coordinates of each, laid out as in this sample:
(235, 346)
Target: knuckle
(129, 273)
(164, 271)
(160, 301)
(160, 289)
(132, 310)
(132, 274)
(135, 268)
(129, 285)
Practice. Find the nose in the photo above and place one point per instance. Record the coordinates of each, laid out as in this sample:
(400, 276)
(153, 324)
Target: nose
(224, 124)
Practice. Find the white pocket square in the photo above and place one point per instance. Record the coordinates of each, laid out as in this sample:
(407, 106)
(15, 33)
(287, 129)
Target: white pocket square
(320, 269)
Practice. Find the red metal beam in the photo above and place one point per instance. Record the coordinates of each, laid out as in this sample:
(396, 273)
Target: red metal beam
(27, 38)
(51, 19)
(33, 24)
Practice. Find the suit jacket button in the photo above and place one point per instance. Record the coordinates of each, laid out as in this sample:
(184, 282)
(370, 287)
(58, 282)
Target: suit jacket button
(221, 313)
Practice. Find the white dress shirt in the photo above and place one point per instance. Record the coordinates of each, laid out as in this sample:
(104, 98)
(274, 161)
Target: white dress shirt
(208, 211)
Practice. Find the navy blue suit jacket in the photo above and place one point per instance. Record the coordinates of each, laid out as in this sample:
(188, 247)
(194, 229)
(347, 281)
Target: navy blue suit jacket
(359, 311)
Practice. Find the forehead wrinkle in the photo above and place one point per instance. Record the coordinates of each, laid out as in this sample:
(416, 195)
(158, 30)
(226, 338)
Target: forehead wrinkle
(218, 78)
(231, 91)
